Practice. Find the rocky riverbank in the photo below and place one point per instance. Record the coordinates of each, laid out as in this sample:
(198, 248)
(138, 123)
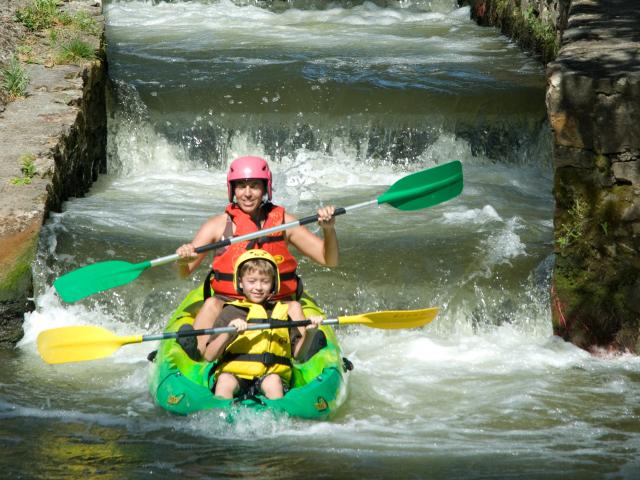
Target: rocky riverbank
(52, 132)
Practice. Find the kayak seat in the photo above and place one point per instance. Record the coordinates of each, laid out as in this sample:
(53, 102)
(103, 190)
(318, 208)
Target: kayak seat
(317, 343)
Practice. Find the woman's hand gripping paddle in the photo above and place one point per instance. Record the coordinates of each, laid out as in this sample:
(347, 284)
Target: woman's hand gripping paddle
(415, 191)
(81, 343)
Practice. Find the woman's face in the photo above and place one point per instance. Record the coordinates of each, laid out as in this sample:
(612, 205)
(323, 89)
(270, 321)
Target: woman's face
(249, 194)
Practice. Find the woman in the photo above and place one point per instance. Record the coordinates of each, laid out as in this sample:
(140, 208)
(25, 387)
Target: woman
(248, 182)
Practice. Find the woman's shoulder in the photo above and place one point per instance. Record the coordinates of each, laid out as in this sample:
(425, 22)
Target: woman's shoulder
(215, 223)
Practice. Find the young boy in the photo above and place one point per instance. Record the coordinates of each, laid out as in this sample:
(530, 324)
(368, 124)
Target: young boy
(256, 360)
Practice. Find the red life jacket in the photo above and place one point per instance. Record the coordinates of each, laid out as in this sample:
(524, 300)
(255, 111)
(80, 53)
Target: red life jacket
(275, 244)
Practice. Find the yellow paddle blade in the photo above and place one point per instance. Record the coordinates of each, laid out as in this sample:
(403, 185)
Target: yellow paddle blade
(80, 343)
(392, 319)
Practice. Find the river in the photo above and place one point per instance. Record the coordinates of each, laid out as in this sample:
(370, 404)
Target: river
(343, 98)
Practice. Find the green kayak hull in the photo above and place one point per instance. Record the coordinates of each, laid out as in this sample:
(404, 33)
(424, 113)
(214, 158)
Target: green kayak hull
(183, 386)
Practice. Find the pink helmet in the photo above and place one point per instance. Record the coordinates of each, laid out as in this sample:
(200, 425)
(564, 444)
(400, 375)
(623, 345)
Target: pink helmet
(244, 168)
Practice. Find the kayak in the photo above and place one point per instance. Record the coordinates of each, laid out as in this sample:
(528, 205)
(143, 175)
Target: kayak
(183, 386)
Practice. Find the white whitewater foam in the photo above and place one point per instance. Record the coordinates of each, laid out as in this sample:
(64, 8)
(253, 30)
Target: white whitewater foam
(51, 313)
(460, 214)
(505, 244)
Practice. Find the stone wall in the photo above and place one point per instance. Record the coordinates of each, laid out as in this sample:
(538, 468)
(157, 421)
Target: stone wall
(536, 25)
(593, 103)
(61, 125)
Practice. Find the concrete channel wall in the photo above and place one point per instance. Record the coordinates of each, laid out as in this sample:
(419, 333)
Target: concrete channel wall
(593, 105)
(60, 126)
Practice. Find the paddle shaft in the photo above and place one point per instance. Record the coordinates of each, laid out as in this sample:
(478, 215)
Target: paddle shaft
(261, 233)
(219, 330)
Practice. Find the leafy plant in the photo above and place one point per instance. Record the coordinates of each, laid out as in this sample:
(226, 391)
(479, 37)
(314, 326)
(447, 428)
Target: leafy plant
(573, 228)
(28, 169)
(39, 15)
(15, 78)
(542, 30)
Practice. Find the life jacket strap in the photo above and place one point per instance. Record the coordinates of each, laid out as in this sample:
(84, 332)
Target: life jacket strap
(262, 240)
(267, 358)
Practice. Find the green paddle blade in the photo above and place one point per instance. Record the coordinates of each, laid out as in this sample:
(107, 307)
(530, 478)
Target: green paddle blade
(98, 277)
(426, 188)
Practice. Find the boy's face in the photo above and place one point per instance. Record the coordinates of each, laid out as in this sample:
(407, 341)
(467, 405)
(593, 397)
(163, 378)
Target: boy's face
(256, 286)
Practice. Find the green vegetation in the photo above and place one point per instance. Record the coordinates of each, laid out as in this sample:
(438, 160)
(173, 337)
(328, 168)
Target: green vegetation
(84, 22)
(28, 169)
(573, 229)
(75, 50)
(528, 27)
(15, 79)
(69, 34)
(543, 32)
(39, 15)
(25, 53)
(502, 7)
(45, 14)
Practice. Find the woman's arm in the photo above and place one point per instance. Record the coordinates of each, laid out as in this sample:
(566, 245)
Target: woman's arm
(325, 250)
(210, 231)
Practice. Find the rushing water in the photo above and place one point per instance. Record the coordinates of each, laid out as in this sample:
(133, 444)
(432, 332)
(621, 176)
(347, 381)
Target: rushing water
(344, 99)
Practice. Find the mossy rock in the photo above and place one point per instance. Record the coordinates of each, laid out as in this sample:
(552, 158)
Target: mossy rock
(595, 301)
(16, 283)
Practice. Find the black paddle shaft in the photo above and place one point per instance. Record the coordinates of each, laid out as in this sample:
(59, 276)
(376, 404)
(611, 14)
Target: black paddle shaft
(261, 233)
(263, 325)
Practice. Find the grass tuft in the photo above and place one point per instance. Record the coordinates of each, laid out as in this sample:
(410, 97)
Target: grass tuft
(75, 50)
(15, 79)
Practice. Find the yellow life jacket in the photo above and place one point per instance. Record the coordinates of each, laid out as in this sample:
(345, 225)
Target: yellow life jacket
(256, 353)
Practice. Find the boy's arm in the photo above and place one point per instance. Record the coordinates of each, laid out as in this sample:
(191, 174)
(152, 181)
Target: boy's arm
(218, 343)
(215, 348)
